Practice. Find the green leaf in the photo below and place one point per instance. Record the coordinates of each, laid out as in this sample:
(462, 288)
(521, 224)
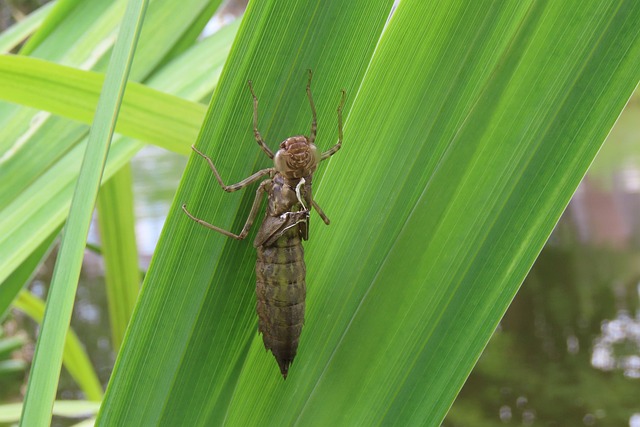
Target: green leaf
(168, 24)
(24, 273)
(117, 233)
(61, 10)
(147, 114)
(39, 153)
(192, 32)
(500, 111)
(10, 412)
(8, 345)
(336, 41)
(464, 141)
(12, 368)
(45, 370)
(29, 214)
(74, 357)
(19, 31)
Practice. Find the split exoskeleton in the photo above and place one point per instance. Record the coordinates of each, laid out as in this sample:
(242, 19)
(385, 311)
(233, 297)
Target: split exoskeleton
(280, 268)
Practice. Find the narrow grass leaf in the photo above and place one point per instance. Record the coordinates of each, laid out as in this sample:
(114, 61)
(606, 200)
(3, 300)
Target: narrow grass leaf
(74, 357)
(147, 114)
(192, 33)
(116, 220)
(14, 35)
(61, 9)
(10, 412)
(168, 23)
(11, 369)
(9, 345)
(24, 273)
(31, 144)
(48, 355)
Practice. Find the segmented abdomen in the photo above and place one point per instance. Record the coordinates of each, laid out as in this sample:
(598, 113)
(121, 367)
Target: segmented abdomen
(281, 290)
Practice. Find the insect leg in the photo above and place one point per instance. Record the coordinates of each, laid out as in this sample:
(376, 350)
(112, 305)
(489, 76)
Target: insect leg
(336, 147)
(234, 187)
(256, 133)
(314, 122)
(250, 219)
(320, 212)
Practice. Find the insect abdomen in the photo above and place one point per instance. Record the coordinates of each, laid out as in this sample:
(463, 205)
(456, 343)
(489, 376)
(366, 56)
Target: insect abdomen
(281, 290)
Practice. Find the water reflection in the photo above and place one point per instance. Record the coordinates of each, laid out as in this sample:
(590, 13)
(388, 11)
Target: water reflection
(567, 350)
(156, 173)
(618, 346)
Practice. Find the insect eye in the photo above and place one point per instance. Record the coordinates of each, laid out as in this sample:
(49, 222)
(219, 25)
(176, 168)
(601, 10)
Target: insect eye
(315, 153)
(279, 161)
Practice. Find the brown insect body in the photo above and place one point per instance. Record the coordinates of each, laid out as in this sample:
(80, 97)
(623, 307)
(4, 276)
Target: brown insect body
(280, 267)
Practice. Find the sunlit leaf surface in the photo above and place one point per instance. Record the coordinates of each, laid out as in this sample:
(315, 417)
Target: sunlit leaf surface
(465, 140)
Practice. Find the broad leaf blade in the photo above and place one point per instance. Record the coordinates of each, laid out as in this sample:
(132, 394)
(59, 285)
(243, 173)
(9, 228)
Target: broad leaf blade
(468, 136)
(483, 213)
(180, 320)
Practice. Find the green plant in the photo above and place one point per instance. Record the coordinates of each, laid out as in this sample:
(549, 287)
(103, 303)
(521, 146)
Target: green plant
(468, 127)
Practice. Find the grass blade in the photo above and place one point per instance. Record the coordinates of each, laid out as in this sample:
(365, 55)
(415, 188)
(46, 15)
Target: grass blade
(116, 221)
(46, 366)
(14, 35)
(61, 9)
(74, 358)
(24, 272)
(147, 114)
(10, 412)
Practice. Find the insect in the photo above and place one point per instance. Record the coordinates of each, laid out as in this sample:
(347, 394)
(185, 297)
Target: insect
(280, 267)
